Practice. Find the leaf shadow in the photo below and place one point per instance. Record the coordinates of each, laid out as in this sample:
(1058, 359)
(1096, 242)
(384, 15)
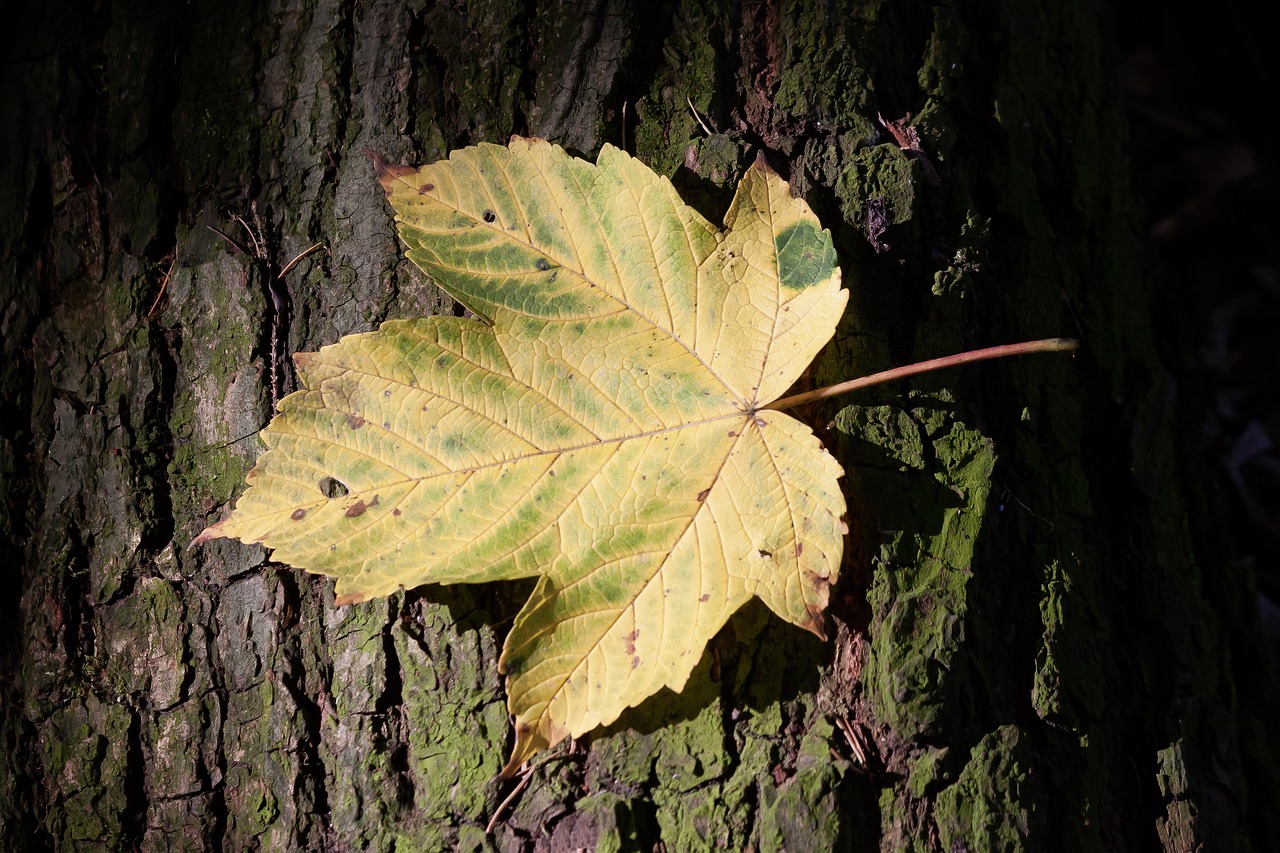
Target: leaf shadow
(889, 461)
(477, 606)
(756, 661)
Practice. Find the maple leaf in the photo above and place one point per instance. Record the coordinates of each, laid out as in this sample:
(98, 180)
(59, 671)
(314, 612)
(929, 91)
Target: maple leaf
(600, 425)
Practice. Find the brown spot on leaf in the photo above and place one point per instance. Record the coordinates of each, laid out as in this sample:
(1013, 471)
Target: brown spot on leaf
(396, 511)
(298, 514)
(702, 495)
(705, 597)
(355, 421)
(635, 661)
(426, 188)
(799, 549)
(356, 509)
(631, 641)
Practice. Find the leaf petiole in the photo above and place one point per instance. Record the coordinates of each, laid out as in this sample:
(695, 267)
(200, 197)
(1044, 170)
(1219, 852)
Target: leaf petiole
(1025, 348)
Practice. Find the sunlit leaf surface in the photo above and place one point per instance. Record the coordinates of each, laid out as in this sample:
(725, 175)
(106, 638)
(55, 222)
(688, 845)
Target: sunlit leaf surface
(598, 425)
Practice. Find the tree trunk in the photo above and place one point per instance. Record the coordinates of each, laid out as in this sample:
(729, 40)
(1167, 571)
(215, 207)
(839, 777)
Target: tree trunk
(1037, 641)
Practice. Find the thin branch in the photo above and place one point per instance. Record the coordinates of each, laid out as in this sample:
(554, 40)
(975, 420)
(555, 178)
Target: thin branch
(1047, 345)
(694, 110)
(293, 263)
(234, 244)
(526, 776)
(164, 284)
(258, 251)
(515, 792)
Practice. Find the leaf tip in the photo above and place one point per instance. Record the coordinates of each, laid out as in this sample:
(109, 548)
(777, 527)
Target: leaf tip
(816, 623)
(762, 164)
(529, 740)
(385, 170)
(213, 531)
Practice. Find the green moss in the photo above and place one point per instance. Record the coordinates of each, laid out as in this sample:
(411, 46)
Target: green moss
(804, 809)
(931, 507)
(956, 279)
(928, 772)
(743, 692)
(263, 810)
(886, 433)
(823, 72)
(1069, 685)
(456, 719)
(609, 823)
(666, 126)
(676, 737)
(719, 159)
(879, 172)
(990, 806)
(145, 645)
(86, 754)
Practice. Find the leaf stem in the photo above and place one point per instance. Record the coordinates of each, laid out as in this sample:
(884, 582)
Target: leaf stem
(1046, 345)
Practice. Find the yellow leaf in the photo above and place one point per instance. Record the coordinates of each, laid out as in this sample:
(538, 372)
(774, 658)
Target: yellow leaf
(600, 427)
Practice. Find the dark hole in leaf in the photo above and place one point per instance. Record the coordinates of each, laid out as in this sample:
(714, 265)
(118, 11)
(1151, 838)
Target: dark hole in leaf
(490, 216)
(764, 553)
(332, 488)
(543, 264)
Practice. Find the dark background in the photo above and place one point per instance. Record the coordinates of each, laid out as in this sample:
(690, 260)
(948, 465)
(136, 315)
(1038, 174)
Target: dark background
(1200, 82)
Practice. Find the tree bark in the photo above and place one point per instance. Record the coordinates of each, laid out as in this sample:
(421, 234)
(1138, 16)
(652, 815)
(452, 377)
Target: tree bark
(1037, 640)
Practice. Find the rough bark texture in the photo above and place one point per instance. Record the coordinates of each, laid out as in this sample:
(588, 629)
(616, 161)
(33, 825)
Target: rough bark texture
(1038, 642)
